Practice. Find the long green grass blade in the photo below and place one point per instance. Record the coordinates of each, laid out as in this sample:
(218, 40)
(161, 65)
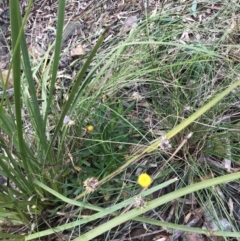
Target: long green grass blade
(187, 229)
(16, 237)
(34, 105)
(15, 30)
(57, 52)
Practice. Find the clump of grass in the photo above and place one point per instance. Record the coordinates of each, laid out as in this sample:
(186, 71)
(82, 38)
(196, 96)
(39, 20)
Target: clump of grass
(150, 93)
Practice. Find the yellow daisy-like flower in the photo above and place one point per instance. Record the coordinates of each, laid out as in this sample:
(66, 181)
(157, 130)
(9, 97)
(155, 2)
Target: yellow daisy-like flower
(90, 128)
(144, 180)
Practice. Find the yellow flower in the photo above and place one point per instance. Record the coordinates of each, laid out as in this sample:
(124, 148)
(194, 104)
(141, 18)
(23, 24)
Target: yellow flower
(144, 180)
(90, 128)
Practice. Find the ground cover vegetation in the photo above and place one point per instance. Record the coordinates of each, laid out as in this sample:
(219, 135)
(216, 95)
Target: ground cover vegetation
(125, 127)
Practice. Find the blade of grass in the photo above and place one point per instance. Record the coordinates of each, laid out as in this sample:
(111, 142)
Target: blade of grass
(14, 175)
(17, 34)
(187, 229)
(15, 30)
(57, 52)
(201, 49)
(12, 236)
(34, 106)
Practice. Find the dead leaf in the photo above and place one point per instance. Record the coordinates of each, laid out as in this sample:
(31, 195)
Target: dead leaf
(78, 51)
(227, 164)
(188, 19)
(4, 79)
(187, 217)
(185, 37)
(210, 223)
(36, 51)
(230, 206)
(142, 233)
(161, 237)
(136, 96)
(129, 23)
(215, 7)
(187, 236)
(233, 25)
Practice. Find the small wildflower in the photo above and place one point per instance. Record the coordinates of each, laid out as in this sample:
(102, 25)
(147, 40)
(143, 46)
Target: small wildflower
(136, 96)
(144, 180)
(90, 128)
(91, 184)
(165, 144)
(104, 99)
(139, 202)
(189, 135)
(67, 121)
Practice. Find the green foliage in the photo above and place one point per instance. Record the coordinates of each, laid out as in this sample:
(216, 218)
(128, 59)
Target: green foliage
(26, 156)
(47, 164)
(107, 145)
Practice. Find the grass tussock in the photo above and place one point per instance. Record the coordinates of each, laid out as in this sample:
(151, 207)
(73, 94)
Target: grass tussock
(146, 132)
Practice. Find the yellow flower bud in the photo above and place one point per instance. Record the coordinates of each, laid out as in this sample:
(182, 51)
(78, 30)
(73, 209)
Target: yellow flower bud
(90, 128)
